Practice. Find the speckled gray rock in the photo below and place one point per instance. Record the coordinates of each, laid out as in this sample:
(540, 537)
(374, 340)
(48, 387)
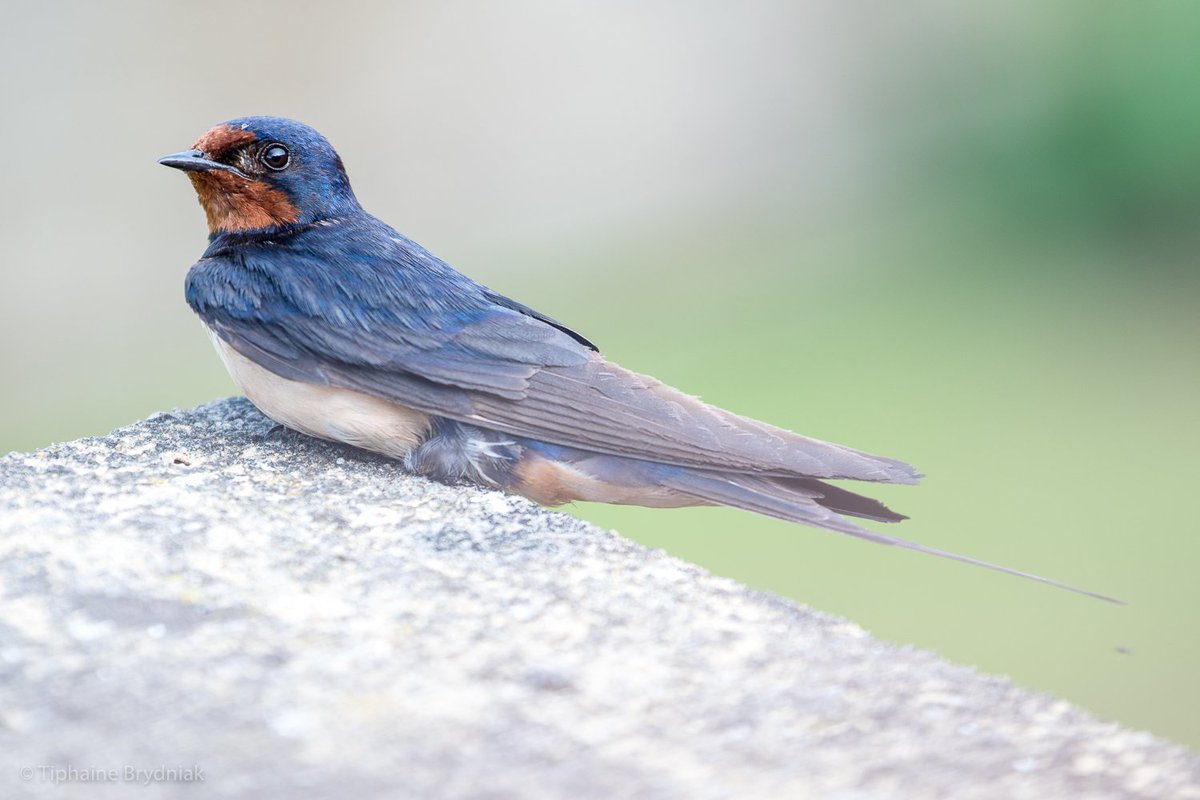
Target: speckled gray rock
(291, 619)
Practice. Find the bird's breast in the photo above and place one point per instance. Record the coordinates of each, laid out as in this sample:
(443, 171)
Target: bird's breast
(327, 412)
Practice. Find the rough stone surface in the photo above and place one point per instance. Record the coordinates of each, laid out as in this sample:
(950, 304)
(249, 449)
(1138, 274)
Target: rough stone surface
(295, 619)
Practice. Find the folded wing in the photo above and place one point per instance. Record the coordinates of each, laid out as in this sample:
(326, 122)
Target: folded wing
(407, 328)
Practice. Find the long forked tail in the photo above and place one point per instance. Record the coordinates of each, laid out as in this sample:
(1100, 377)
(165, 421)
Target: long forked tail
(817, 503)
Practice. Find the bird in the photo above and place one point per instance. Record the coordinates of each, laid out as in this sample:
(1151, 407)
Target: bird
(335, 325)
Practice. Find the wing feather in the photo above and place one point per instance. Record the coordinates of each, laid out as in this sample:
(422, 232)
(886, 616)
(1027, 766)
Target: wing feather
(376, 313)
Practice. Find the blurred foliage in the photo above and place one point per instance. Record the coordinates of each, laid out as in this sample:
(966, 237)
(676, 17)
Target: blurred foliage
(1098, 145)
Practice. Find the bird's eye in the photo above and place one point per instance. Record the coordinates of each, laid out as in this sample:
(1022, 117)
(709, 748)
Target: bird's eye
(275, 156)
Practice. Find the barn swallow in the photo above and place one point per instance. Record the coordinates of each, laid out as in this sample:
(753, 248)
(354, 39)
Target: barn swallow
(334, 324)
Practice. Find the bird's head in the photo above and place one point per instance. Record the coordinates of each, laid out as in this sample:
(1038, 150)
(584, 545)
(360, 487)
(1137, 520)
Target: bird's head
(263, 173)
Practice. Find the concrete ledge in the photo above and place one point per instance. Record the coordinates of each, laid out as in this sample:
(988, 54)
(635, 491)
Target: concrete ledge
(295, 619)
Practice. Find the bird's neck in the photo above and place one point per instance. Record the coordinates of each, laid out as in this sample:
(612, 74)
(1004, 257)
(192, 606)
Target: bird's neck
(220, 242)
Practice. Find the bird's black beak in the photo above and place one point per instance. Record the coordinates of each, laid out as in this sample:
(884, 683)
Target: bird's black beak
(194, 161)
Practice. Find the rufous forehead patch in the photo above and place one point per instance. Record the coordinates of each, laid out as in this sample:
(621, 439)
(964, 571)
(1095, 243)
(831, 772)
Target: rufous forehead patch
(221, 138)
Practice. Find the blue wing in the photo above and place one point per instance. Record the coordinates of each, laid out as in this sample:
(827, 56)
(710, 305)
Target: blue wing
(358, 306)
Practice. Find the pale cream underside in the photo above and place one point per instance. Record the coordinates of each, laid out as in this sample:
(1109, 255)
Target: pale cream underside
(344, 415)
(340, 415)
(553, 483)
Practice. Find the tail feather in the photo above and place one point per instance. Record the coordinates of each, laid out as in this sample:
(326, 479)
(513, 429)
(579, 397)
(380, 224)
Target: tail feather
(816, 503)
(835, 498)
(553, 474)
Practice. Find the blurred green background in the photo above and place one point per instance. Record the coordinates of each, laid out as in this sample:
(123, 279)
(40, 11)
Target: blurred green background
(966, 237)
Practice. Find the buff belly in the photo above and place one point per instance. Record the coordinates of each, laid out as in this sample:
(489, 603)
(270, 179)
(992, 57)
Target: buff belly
(354, 418)
(327, 412)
